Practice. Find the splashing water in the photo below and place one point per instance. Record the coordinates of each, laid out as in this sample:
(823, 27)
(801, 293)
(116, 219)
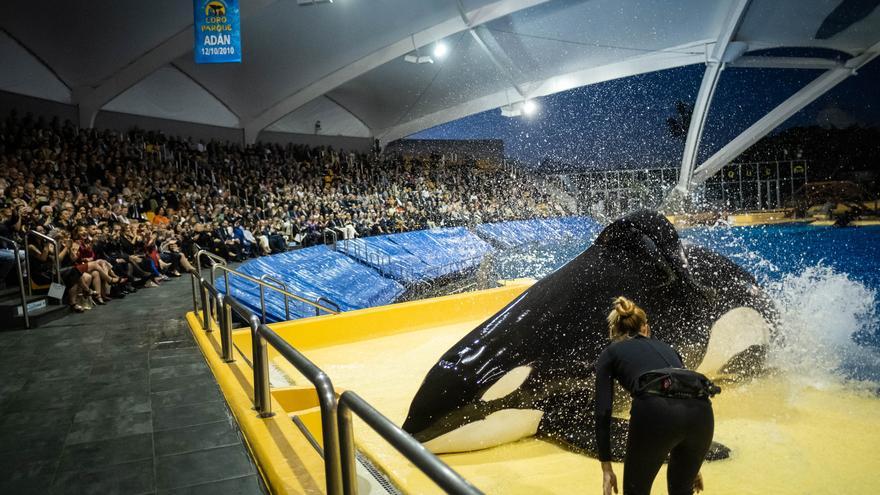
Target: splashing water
(821, 311)
(824, 283)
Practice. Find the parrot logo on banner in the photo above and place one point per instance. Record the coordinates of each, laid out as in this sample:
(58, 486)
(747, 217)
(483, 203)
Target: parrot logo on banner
(215, 9)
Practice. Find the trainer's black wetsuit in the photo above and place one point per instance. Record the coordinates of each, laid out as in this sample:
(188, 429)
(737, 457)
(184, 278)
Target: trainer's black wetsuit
(658, 426)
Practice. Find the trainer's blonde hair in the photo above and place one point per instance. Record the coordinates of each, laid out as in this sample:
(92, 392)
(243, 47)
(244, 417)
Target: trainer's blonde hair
(625, 320)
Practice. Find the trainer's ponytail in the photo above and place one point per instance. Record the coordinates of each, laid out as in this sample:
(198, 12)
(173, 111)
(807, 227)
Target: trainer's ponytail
(625, 320)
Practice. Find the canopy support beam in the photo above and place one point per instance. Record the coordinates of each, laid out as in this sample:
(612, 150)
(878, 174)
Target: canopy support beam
(752, 62)
(499, 57)
(808, 94)
(714, 65)
(490, 46)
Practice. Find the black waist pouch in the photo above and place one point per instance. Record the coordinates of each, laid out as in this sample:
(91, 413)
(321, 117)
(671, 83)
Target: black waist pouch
(677, 383)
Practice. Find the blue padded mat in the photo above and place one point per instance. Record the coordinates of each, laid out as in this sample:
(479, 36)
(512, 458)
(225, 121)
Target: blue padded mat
(445, 251)
(421, 255)
(310, 273)
(383, 254)
(365, 272)
(538, 231)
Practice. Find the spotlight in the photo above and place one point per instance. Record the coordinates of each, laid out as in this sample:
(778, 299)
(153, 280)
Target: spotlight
(525, 108)
(440, 49)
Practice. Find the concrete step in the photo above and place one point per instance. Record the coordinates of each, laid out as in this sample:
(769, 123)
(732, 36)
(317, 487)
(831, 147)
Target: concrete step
(39, 317)
(12, 307)
(9, 292)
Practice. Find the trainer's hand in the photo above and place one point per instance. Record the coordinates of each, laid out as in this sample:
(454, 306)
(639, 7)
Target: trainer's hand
(609, 479)
(698, 483)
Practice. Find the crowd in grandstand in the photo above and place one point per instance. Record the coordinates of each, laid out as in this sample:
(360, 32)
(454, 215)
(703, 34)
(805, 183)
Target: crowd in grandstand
(122, 211)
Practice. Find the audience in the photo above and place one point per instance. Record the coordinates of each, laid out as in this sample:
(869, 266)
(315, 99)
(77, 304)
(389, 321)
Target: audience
(128, 210)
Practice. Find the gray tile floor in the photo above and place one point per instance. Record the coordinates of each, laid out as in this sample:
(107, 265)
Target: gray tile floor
(117, 400)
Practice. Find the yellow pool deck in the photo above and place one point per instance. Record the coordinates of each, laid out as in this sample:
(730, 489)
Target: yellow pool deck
(787, 437)
(814, 216)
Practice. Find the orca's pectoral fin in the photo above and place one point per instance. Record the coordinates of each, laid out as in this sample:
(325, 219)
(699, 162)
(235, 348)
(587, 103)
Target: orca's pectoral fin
(717, 452)
(580, 435)
(747, 363)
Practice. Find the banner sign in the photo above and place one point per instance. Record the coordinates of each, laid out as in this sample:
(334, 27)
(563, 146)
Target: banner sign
(218, 32)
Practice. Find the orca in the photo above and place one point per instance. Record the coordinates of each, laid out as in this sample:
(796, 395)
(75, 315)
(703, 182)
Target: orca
(529, 369)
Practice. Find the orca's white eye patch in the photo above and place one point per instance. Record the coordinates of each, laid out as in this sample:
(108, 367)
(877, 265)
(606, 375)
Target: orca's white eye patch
(508, 383)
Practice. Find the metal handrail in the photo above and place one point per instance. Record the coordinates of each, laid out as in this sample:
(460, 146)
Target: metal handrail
(262, 282)
(282, 286)
(334, 236)
(379, 260)
(276, 289)
(336, 425)
(217, 260)
(329, 303)
(55, 255)
(440, 472)
(261, 335)
(17, 258)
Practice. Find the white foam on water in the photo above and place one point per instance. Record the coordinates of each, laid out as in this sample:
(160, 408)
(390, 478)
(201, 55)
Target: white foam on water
(820, 312)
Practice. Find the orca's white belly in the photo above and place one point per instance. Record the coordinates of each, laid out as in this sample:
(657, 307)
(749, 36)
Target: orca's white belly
(506, 425)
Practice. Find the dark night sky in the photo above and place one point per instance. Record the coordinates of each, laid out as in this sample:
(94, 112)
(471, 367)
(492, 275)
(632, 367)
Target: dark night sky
(622, 123)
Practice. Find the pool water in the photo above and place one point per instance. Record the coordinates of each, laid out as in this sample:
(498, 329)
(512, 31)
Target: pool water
(825, 282)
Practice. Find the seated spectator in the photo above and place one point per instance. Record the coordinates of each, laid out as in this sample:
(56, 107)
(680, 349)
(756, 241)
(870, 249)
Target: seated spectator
(159, 218)
(10, 228)
(124, 218)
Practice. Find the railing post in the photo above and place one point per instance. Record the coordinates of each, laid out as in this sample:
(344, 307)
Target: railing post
(27, 264)
(262, 393)
(192, 279)
(438, 471)
(57, 263)
(254, 324)
(215, 307)
(262, 304)
(282, 287)
(206, 310)
(346, 449)
(329, 426)
(226, 330)
(17, 257)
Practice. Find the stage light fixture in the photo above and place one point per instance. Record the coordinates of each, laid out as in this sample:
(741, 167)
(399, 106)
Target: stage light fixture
(440, 49)
(526, 108)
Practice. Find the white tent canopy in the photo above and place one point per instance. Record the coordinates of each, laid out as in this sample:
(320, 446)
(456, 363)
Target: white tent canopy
(343, 63)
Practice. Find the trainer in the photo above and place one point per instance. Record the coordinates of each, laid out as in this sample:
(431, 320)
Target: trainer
(671, 415)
